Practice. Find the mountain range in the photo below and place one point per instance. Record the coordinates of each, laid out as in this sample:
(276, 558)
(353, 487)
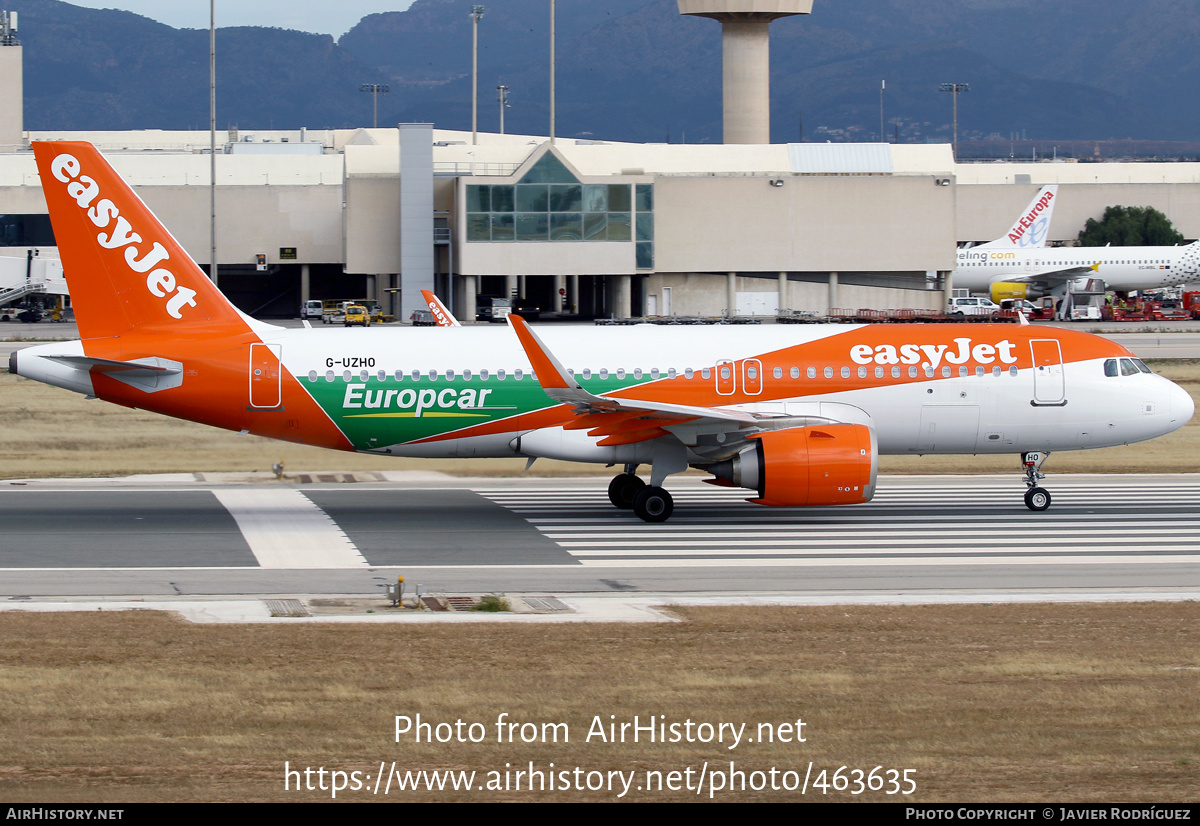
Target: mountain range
(637, 70)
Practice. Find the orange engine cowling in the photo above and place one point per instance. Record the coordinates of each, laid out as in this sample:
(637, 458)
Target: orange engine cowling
(818, 465)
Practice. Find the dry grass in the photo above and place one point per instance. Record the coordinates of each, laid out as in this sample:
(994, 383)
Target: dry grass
(53, 432)
(987, 703)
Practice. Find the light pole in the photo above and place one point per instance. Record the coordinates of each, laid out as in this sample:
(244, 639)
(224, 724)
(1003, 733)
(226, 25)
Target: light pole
(882, 136)
(551, 71)
(502, 96)
(476, 14)
(376, 89)
(954, 89)
(212, 137)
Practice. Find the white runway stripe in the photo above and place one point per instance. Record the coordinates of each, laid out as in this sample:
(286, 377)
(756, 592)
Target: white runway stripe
(285, 529)
(1093, 521)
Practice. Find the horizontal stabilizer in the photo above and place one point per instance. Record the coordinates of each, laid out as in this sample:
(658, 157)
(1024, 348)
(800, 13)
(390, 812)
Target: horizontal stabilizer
(148, 374)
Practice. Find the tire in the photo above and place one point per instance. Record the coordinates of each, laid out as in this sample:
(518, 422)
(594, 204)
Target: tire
(623, 489)
(1037, 499)
(653, 504)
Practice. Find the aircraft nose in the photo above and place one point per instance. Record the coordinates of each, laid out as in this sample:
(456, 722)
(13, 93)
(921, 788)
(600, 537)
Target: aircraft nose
(1182, 405)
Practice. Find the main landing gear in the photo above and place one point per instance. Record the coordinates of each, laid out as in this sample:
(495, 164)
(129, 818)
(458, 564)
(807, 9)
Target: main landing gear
(1036, 498)
(650, 503)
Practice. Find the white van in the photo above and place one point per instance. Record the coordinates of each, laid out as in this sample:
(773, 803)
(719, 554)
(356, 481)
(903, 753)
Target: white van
(311, 309)
(972, 306)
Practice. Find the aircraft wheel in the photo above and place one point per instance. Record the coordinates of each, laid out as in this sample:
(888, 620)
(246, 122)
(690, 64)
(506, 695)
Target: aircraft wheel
(623, 489)
(1037, 499)
(653, 504)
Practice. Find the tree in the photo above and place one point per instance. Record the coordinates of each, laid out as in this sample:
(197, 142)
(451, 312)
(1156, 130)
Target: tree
(1130, 227)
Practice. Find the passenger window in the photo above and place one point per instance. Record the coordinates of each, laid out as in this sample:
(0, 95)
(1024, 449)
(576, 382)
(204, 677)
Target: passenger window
(1012, 371)
(812, 372)
(795, 372)
(862, 372)
(381, 375)
(946, 372)
(671, 372)
(895, 372)
(845, 372)
(620, 372)
(364, 376)
(416, 374)
(346, 375)
(706, 372)
(500, 375)
(962, 372)
(637, 372)
(777, 372)
(433, 374)
(653, 372)
(912, 372)
(312, 375)
(328, 375)
(483, 374)
(996, 372)
(979, 372)
(466, 375)
(587, 373)
(518, 374)
(603, 373)
(828, 372)
(878, 372)
(689, 373)
(449, 375)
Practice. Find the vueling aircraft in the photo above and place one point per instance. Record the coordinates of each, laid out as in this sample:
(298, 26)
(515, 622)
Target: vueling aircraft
(1019, 265)
(798, 415)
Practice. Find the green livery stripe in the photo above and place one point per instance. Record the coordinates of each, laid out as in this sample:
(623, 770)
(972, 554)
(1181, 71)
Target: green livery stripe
(374, 412)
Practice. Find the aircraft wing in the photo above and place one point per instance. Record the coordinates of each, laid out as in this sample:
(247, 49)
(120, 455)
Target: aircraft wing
(1051, 278)
(618, 420)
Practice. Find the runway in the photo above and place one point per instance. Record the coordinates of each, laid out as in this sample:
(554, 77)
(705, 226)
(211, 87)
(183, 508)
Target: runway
(70, 538)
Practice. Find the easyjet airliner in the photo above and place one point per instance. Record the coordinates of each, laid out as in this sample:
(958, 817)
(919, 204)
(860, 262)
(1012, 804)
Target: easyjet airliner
(1019, 265)
(798, 415)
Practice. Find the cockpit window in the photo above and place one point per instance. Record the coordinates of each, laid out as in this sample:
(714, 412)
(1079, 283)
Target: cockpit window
(1142, 366)
(1110, 367)
(1128, 368)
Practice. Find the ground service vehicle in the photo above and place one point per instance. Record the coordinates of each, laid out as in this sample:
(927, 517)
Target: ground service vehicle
(357, 316)
(796, 414)
(311, 309)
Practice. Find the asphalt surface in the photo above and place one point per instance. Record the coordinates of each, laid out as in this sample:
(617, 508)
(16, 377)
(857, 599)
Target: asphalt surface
(922, 537)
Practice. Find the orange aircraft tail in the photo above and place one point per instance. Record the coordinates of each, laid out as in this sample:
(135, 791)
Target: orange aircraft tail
(124, 269)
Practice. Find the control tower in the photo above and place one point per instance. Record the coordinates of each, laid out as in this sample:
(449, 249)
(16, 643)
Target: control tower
(746, 55)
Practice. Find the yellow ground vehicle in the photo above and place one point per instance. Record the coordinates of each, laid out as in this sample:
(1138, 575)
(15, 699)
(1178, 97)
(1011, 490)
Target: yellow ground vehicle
(357, 314)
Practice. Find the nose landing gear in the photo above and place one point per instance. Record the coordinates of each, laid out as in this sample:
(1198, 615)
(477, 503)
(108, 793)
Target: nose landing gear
(1036, 498)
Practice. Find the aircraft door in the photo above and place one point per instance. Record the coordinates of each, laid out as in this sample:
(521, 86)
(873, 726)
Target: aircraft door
(1049, 387)
(266, 376)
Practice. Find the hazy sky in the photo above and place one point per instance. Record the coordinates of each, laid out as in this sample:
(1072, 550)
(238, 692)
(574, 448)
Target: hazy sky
(306, 15)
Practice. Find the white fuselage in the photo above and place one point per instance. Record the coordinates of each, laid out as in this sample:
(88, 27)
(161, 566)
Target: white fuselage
(1124, 269)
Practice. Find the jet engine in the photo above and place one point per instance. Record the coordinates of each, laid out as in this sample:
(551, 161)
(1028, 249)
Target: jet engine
(1011, 289)
(833, 464)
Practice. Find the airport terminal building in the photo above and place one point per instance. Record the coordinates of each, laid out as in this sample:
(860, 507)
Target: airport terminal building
(587, 227)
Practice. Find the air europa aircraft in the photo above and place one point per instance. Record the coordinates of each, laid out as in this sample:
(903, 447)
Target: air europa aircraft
(1019, 265)
(799, 415)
